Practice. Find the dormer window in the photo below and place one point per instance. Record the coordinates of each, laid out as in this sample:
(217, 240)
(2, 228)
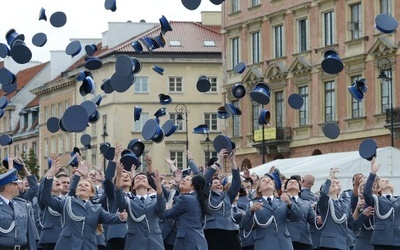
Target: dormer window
(175, 43)
(209, 43)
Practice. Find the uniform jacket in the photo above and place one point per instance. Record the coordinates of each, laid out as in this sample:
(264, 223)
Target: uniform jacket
(275, 235)
(386, 231)
(363, 232)
(187, 213)
(246, 237)
(307, 195)
(300, 230)
(222, 218)
(24, 232)
(77, 234)
(146, 233)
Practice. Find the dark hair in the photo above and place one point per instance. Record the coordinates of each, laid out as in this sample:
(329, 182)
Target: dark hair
(211, 161)
(199, 184)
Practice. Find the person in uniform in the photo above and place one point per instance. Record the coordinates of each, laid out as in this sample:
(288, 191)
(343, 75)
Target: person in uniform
(220, 230)
(386, 233)
(17, 226)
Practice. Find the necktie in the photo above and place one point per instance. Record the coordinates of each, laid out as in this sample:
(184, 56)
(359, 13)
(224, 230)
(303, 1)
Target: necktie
(11, 205)
(235, 209)
(269, 201)
(142, 199)
(388, 196)
(294, 199)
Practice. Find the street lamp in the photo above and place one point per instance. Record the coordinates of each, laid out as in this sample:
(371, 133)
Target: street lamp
(203, 129)
(384, 66)
(104, 135)
(181, 109)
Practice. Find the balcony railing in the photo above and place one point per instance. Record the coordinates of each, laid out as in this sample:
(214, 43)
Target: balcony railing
(396, 115)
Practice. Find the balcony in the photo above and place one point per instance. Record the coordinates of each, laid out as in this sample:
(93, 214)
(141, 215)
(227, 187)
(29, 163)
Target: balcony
(396, 121)
(279, 145)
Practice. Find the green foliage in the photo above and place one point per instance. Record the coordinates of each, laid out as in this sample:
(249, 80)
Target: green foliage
(31, 162)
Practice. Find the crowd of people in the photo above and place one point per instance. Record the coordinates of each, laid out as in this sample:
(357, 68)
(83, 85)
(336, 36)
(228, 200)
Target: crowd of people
(125, 209)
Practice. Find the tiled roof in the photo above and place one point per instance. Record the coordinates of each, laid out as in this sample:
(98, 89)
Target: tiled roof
(33, 103)
(23, 77)
(190, 34)
(82, 60)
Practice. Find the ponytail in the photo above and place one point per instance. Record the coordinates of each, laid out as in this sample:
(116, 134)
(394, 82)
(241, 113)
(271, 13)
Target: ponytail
(199, 184)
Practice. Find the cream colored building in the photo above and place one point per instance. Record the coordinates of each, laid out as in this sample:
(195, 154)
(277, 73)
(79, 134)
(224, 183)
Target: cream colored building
(283, 44)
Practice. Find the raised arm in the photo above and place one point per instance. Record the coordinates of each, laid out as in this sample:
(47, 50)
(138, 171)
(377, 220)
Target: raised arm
(367, 193)
(192, 165)
(236, 180)
(46, 197)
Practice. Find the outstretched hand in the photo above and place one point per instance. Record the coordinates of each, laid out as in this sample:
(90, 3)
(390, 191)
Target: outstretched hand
(374, 166)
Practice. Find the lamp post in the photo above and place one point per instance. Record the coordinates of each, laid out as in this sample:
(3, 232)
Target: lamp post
(104, 135)
(384, 64)
(181, 109)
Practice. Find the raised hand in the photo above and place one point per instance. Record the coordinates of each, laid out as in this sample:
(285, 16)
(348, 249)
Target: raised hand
(55, 167)
(83, 169)
(178, 176)
(256, 206)
(171, 163)
(118, 174)
(118, 151)
(333, 172)
(374, 166)
(11, 162)
(157, 181)
(285, 197)
(368, 211)
(189, 155)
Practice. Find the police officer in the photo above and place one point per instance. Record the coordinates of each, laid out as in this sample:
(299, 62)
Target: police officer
(17, 228)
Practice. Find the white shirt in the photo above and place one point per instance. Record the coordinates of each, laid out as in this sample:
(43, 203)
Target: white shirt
(5, 199)
(271, 197)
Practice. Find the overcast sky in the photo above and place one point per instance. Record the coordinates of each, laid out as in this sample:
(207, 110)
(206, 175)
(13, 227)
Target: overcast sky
(86, 18)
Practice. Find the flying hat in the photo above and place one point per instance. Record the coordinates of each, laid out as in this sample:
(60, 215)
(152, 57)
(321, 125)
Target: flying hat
(88, 86)
(152, 131)
(12, 36)
(186, 172)
(275, 177)
(211, 161)
(128, 159)
(332, 64)
(201, 129)
(367, 149)
(159, 40)
(232, 109)
(20, 52)
(58, 19)
(165, 26)
(4, 50)
(358, 89)
(137, 147)
(73, 48)
(3, 102)
(18, 163)
(90, 49)
(169, 127)
(97, 100)
(217, 2)
(11, 176)
(5, 140)
(121, 84)
(39, 39)
(264, 117)
(203, 84)
(164, 99)
(240, 67)
(137, 111)
(137, 46)
(6, 76)
(385, 23)
(222, 113)
(331, 130)
(191, 4)
(107, 87)
(85, 140)
(261, 93)
(93, 63)
(53, 124)
(110, 5)
(295, 101)
(73, 160)
(159, 70)
(124, 66)
(104, 146)
(9, 88)
(75, 119)
(221, 142)
(83, 74)
(148, 43)
(160, 112)
(238, 91)
(42, 14)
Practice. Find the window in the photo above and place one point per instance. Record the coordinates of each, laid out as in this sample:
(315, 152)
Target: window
(279, 109)
(104, 123)
(60, 109)
(53, 110)
(141, 84)
(34, 148)
(178, 155)
(355, 24)
(25, 149)
(174, 116)
(386, 7)
(175, 43)
(142, 167)
(138, 125)
(356, 106)
(46, 114)
(256, 113)
(330, 101)
(302, 36)
(53, 145)
(46, 147)
(329, 27)
(303, 112)
(94, 129)
(16, 150)
(235, 43)
(278, 41)
(209, 43)
(255, 47)
(213, 81)
(66, 104)
(255, 2)
(67, 143)
(385, 92)
(236, 120)
(61, 144)
(235, 6)
(175, 84)
(211, 120)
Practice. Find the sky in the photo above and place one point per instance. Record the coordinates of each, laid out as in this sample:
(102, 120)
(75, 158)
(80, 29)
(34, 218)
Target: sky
(86, 19)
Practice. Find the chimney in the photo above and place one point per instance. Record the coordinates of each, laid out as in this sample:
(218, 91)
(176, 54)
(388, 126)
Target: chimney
(211, 18)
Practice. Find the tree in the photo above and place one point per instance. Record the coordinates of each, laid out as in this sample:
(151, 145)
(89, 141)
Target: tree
(31, 162)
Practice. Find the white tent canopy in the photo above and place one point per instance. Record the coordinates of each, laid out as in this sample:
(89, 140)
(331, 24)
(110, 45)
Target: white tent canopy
(348, 163)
